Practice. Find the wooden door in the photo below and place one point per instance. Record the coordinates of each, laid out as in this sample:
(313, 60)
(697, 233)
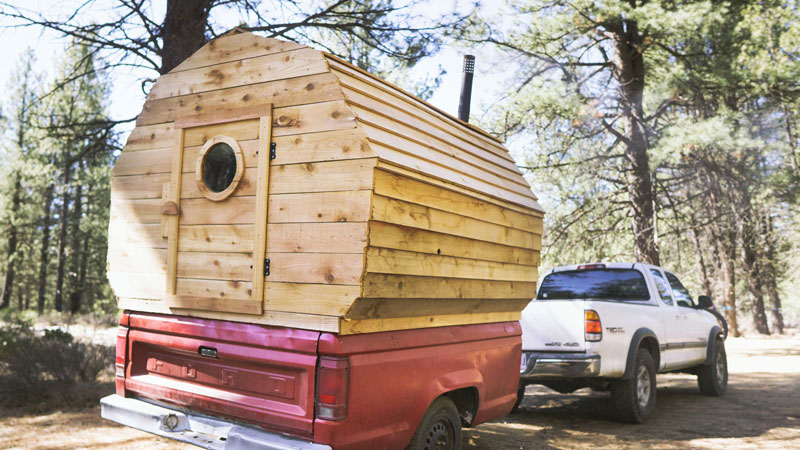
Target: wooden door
(215, 212)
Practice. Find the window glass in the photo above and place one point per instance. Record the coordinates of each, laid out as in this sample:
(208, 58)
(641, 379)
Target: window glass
(219, 167)
(681, 293)
(603, 284)
(661, 285)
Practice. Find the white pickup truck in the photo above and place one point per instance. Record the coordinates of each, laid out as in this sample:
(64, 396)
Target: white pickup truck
(612, 327)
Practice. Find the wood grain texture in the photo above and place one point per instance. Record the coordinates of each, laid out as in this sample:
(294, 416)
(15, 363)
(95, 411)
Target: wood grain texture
(390, 210)
(234, 48)
(215, 289)
(379, 212)
(410, 323)
(316, 268)
(259, 69)
(182, 302)
(281, 93)
(260, 220)
(215, 266)
(144, 162)
(378, 285)
(241, 130)
(399, 262)
(343, 206)
(448, 174)
(171, 222)
(394, 308)
(377, 112)
(136, 235)
(398, 237)
(340, 66)
(414, 191)
(323, 299)
(149, 137)
(393, 168)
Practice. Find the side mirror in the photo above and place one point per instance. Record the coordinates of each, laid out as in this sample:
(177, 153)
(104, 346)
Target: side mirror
(704, 302)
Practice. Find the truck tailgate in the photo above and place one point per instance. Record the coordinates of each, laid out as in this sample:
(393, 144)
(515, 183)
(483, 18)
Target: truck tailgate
(553, 326)
(257, 374)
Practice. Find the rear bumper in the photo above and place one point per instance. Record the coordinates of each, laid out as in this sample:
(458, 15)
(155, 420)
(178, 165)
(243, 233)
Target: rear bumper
(198, 430)
(558, 365)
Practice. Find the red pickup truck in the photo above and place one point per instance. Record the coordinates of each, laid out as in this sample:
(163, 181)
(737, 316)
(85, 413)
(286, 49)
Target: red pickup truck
(219, 384)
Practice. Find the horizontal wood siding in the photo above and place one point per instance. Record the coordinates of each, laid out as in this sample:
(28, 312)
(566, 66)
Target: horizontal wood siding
(318, 200)
(383, 212)
(439, 256)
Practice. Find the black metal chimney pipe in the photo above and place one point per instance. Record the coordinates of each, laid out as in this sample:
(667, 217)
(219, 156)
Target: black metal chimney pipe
(466, 88)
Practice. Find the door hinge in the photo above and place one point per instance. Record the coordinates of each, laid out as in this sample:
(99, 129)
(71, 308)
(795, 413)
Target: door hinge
(273, 150)
(266, 267)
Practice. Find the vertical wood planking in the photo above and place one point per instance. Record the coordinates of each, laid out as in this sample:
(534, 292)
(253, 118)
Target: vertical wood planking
(265, 140)
(172, 222)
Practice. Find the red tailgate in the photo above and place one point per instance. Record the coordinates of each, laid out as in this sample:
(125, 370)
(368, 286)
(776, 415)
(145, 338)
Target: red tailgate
(257, 374)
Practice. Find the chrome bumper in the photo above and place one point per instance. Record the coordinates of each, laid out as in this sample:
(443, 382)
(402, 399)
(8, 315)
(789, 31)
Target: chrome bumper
(197, 430)
(558, 365)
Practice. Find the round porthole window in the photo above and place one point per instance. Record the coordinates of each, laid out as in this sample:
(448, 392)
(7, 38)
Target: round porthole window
(219, 168)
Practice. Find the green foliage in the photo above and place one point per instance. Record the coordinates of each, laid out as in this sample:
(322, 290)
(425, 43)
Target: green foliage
(32, 364)
(55, 127)
(720, 112)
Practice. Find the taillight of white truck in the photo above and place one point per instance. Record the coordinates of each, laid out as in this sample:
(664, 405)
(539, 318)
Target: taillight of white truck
(593, 328)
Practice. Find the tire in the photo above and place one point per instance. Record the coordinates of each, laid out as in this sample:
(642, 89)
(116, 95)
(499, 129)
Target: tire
(440, 428)
(635, 399)
(713, 378)
(520, 396)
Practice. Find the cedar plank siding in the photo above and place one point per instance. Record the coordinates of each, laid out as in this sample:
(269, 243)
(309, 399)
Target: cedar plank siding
(382, 212)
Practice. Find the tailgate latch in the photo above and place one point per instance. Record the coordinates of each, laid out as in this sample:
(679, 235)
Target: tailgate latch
(208, 352)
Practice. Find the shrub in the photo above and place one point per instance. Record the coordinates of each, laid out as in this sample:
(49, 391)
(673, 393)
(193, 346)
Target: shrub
(32, 364)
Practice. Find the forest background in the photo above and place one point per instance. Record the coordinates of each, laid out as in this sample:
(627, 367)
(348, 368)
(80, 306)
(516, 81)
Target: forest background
(664, 132)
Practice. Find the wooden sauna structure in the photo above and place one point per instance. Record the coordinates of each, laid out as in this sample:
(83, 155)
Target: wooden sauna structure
(268, 182)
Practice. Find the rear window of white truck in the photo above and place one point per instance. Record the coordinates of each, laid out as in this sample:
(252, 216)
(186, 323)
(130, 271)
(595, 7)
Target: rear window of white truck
(599, 284)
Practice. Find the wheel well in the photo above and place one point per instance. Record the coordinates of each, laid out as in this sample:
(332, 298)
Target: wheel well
(651, 344)
(466, 401)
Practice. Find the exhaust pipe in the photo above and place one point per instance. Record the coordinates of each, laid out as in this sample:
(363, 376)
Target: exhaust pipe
(466, 88)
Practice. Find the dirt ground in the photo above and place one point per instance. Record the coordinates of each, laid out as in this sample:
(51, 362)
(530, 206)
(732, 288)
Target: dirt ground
(761, 410)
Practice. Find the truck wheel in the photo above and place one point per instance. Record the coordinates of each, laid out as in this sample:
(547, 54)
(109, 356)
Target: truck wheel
(440, 428)
(713, 378)
(635, 399)
(520, 396)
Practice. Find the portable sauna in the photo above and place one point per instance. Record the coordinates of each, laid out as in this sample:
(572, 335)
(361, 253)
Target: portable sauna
(268, 182)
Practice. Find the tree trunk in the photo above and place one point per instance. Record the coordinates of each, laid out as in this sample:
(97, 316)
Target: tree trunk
(787, 125)
(629, 74)
(43, 256)
(771, 275)
(63, 222)
(8, 284)
(183, 31)
(723, 234)
(698, 257)
(729, 282)
(753, 270)
(76, 290)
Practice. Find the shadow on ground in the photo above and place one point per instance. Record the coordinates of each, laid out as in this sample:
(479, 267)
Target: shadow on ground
(756, 404)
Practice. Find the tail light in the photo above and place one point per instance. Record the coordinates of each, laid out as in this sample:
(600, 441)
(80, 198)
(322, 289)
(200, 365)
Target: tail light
(333, 383)
(592, 326)
(121, 357)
